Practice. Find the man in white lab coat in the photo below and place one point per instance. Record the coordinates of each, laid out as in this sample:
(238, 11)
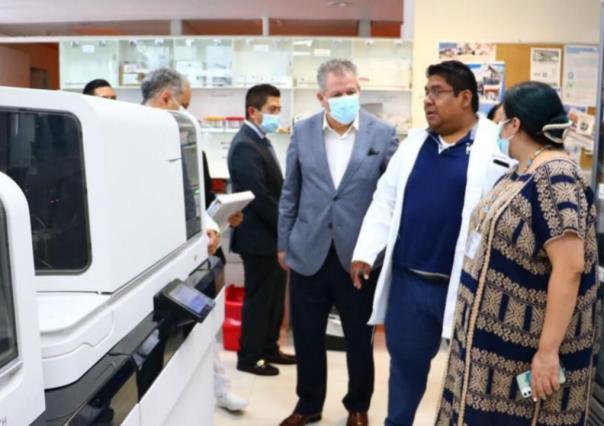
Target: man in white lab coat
(420, 213)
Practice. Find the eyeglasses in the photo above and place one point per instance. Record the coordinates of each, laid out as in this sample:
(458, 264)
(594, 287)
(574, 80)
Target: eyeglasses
(435, 93)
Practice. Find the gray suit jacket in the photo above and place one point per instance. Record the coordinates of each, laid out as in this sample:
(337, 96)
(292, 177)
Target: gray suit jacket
(312, 212)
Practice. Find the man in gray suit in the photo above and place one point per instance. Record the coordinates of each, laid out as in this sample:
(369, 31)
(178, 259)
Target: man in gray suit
(333, 164)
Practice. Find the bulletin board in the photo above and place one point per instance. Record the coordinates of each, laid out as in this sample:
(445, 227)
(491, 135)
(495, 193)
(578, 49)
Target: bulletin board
(518, 69)
(518, 60)
(515, 62)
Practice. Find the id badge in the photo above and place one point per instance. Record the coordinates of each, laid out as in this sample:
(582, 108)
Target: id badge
(473, 244)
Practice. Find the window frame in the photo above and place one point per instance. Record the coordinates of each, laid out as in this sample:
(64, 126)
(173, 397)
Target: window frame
(86, 210)
(183, 119)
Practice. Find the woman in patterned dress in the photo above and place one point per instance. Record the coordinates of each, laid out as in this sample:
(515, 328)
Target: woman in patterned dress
(528, 294)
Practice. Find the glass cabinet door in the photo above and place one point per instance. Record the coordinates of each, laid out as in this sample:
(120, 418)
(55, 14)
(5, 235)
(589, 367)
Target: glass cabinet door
(262, 60)
(138, 57)
(309, 54)
(383, 63)
(205, 62)
(84, 60)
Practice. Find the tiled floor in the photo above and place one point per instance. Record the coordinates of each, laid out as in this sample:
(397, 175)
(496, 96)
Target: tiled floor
(271, 399)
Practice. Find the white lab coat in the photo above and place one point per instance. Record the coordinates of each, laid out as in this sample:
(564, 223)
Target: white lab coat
(381, 223)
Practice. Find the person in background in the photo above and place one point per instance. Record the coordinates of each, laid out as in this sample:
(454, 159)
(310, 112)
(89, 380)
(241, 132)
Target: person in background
(160, 89)
(225, 398)
(528, 298)
(419, 214)
(100, 88)
(253, 166)
(184, 99)
(334, 161)
(496, 113)
(167, 89)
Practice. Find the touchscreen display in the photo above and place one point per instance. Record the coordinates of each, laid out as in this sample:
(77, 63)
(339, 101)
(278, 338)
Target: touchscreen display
(189, 297)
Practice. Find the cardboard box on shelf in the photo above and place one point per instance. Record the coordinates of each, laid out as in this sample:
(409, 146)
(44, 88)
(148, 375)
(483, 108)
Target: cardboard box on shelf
(132, 73)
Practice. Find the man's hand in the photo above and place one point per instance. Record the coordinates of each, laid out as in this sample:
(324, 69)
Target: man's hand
(213, 241)
(281, 259)
(235, 219)
(357, 271)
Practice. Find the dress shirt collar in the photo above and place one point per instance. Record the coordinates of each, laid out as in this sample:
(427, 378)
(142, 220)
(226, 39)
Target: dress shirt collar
(443, 145)
(261, 134)
(326, 126)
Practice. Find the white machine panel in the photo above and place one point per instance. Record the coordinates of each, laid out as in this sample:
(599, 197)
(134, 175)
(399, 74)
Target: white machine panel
(103, 192)
(71, 348)
(21, 386)
(133, 418)
(184, 393)
(135, 217)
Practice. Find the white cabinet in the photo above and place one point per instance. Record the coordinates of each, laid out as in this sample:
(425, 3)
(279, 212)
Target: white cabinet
(221, 69)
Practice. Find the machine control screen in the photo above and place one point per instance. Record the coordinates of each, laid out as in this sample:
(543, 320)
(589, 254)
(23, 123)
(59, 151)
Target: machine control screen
(187, 300)
(189, 297)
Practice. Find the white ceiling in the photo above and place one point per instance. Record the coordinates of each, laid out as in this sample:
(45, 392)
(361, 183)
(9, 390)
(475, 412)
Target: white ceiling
(41, 11)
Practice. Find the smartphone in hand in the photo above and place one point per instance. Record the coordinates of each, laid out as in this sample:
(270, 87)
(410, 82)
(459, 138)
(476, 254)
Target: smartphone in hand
(524, 382)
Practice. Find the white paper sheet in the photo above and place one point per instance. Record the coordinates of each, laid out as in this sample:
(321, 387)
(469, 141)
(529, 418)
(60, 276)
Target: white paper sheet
(546, 65)
(580, 75)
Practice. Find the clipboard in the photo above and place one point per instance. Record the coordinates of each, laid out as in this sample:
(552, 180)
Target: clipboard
(226, 204)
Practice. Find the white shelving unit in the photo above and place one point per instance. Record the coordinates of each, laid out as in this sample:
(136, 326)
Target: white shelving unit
(221, 69)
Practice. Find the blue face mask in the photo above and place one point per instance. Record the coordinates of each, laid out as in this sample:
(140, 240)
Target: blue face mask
(270, 122)
(502, 143)
(344, 109)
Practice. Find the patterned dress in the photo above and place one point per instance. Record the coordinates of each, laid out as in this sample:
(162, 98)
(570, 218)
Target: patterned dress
(502, 297)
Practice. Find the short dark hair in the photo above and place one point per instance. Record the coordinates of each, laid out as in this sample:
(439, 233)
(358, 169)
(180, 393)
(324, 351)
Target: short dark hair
(459, 76)
(257, 96)
(536, 105)
(493, 111)
(91, 86)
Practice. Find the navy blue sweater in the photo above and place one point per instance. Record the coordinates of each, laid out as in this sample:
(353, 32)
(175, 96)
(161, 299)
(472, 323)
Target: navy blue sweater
(434, 199)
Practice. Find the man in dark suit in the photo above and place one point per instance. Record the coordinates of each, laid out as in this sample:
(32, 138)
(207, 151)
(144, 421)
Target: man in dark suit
(253, 166)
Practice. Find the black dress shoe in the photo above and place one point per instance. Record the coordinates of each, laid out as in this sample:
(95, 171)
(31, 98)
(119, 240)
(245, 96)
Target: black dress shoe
(280, 358)
(297, 419)
(260, 368)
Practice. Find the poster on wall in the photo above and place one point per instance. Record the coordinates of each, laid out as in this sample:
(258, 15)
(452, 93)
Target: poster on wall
(583, 123)
(490, 79)
(467, 52)
(546, 66)
(580, 80)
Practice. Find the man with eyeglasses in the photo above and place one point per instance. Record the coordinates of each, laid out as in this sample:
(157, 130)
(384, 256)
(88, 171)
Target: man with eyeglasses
(419, 214)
